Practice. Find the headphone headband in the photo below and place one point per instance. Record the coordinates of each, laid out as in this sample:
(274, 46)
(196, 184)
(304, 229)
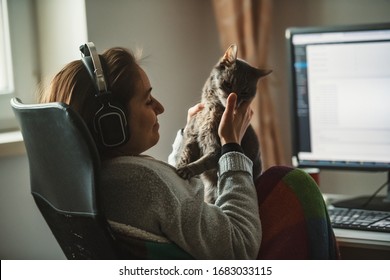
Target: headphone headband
(89, 50)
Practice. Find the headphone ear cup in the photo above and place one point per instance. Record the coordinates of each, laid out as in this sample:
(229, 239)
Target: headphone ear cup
(110, 122)
(111, 126)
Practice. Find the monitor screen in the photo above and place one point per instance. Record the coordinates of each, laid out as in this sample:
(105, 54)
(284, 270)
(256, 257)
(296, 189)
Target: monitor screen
(340, 89)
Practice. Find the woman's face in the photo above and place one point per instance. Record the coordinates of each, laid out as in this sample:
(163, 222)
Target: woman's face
(143, 110)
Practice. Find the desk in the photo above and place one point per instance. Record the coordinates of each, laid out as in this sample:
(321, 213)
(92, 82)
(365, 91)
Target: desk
(360, 244)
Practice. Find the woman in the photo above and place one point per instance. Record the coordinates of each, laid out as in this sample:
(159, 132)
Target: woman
(144, 198)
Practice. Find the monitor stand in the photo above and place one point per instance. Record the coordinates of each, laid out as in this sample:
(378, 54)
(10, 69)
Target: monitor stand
(378, 203)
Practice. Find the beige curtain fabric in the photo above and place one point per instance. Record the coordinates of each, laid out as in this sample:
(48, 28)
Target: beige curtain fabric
(247, 24)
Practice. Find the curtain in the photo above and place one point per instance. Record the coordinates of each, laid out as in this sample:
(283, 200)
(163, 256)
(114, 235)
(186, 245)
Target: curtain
(247, 24)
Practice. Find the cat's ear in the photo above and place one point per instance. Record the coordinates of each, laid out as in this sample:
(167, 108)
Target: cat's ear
(230, 56)
(263, 72)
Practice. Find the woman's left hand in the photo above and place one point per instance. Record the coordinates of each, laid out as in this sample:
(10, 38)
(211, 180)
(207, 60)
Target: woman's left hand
(193, 111)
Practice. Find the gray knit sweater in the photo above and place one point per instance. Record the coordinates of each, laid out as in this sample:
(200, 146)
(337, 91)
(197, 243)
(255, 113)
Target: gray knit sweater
(147, 198)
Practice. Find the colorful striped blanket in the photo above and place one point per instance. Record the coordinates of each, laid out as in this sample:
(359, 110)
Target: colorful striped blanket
(294, 218)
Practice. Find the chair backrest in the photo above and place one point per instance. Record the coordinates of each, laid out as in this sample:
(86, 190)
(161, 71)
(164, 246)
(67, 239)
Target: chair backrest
(64, 168)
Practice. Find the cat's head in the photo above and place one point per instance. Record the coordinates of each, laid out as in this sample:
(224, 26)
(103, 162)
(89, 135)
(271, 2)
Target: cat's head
(232, 74)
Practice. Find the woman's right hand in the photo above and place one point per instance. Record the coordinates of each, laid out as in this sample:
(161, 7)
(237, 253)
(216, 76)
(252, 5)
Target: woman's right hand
(234, 121)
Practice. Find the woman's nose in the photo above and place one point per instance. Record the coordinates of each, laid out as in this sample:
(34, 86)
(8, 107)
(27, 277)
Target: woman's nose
(159, 108)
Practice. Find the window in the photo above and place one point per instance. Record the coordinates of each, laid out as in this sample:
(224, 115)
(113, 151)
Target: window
(19, 67)
(6, 77)
(22, 64)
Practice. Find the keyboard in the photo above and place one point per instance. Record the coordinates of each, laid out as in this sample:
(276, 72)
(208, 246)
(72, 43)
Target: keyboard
(359, 219)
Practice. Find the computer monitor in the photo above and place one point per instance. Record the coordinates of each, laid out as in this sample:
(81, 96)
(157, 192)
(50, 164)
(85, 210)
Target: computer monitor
(340, 97)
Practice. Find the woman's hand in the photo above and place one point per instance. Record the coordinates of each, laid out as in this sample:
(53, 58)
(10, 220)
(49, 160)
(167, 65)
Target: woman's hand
(234, 121)
(193, 111)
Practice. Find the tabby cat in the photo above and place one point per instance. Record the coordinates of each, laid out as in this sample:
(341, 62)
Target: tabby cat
(201, 147)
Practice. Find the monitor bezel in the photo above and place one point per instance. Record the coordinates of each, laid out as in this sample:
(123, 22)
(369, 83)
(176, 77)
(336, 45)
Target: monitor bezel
(290, 32)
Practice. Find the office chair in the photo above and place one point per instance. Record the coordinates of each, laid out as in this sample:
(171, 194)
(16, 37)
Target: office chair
(64, 169)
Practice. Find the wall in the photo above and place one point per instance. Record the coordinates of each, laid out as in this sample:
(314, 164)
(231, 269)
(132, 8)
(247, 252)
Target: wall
(180, 45)
(180, 41)
(62, 28)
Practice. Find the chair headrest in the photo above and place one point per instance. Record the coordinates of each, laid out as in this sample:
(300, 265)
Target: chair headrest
(63, 159)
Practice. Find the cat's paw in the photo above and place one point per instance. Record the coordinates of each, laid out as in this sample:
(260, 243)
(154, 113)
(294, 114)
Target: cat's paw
(185, 172)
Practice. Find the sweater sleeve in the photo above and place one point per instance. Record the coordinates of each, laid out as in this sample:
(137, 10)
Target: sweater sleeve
(231, 228)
